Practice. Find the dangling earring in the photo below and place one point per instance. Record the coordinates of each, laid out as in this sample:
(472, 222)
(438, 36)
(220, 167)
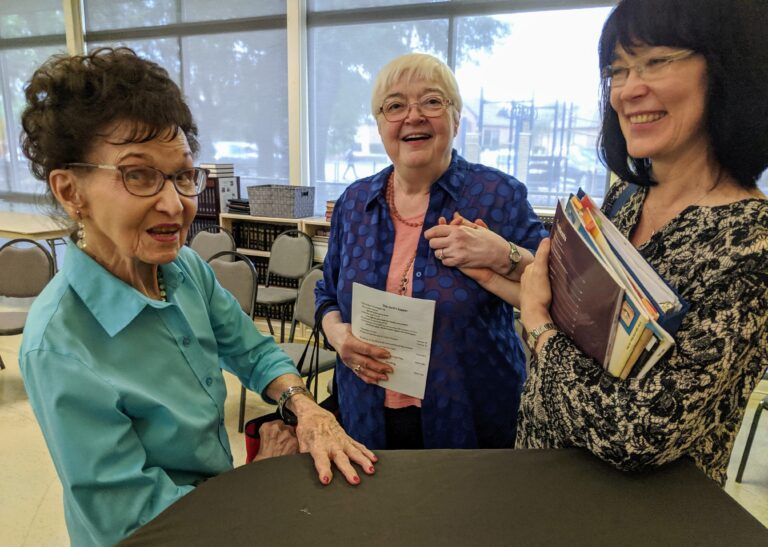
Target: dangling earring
(81, 243)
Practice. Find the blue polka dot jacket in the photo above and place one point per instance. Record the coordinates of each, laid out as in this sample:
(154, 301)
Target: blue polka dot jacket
(477, 366)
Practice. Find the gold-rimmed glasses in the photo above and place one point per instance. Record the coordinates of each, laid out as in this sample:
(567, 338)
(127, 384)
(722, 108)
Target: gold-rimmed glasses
(432, 106)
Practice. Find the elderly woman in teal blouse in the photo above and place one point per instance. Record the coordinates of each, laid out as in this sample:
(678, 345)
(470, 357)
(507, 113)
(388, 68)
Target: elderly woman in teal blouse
(123, 350)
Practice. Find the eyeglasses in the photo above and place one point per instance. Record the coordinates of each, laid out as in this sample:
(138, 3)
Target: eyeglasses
(145, 181)
(431, 106)
(651, 69)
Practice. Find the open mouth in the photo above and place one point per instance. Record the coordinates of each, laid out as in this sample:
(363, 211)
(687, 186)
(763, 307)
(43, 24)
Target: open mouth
(164, 231)
(416, 137)
(647, 117)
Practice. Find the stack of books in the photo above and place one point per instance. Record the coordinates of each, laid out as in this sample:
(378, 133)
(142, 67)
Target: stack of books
(320, 243)
(329, 209)
(605, 296)
(228, 183)
(238, 206)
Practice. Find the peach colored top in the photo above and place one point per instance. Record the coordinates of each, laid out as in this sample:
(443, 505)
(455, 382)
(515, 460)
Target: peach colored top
(406, 243)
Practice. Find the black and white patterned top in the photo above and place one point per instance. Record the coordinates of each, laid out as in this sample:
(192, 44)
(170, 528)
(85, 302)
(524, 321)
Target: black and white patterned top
(692, 402)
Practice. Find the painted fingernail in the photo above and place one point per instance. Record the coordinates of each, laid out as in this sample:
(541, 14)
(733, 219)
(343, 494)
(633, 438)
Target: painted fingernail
(326, 480)
(371, 469)
(375, 458)
(356, 479)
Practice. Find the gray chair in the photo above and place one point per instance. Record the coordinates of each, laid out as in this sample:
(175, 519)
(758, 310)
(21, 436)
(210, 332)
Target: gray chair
(762, 405)
(212, 240)
(290, 257)
(24, 272)
(236, 273)
(304, 313)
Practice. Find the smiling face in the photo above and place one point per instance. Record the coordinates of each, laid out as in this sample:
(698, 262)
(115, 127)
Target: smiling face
(662, 118)
(418, 142)
(124, 231)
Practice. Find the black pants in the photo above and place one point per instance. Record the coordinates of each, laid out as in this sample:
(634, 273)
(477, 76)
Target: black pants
(403, 427)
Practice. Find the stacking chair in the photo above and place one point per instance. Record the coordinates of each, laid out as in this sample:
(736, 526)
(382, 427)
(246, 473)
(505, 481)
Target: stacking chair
(240, 278)
(304, 313)
(762, 405)
(210, 241)
(291, 257)
(24, 272)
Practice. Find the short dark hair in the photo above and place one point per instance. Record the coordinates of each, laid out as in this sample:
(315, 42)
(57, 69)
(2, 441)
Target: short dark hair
(731, 37)
(71, 100)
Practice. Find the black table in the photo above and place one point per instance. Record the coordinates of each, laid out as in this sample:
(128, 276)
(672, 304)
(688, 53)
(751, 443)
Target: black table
(458, 497)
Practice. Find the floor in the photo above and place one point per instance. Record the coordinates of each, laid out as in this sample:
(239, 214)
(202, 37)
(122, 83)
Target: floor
(31, 511)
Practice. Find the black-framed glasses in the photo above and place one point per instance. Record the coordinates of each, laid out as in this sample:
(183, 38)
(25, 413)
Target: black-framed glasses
(145, 181)
(431, 106)
(648, 70)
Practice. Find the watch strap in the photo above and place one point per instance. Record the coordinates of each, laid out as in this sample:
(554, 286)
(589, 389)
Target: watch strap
(533, 336)
(514, 257)
(285, 413)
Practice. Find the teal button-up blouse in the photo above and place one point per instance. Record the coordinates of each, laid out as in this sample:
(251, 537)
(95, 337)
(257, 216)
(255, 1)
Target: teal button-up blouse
(129, 391)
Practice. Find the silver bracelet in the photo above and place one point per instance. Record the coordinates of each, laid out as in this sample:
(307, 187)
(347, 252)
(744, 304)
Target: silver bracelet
(287, 394)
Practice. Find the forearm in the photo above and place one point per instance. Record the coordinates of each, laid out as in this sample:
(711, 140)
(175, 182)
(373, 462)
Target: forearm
(506, 289)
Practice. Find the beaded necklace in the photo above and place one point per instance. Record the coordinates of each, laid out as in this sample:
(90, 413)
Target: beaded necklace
(403, 285)
(161, 284)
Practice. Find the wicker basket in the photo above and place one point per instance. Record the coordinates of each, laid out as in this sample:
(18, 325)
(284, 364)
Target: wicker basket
(279, 201)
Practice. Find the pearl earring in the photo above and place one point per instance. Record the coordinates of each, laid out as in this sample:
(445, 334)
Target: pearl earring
(81, 243)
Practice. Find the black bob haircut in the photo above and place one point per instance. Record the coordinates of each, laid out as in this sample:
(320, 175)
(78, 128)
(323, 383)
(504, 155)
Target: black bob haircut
(731, 36)
(72, 100)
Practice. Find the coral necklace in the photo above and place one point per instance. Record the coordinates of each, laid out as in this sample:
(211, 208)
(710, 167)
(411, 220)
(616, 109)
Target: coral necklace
(403, 285)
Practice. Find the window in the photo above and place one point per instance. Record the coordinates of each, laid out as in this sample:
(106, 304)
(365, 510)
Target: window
(531, 97)
(236, 82)
(344, 140)
(529, 82)
(30, 32)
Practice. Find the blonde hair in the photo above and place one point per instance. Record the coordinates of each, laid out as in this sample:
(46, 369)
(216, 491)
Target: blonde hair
(414, 67)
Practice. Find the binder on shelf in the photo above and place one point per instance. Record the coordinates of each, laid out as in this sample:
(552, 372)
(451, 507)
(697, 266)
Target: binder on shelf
(605, 296)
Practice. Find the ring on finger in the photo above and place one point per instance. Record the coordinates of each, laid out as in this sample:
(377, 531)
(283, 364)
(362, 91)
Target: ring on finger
(357, 369)
(439, 254)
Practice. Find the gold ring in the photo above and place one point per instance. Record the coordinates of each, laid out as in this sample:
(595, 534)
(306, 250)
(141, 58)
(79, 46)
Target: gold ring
(357, 369)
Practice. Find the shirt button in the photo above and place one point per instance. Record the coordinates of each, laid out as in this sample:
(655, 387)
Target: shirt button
(208, 381)
(186, 341)
(418, 274)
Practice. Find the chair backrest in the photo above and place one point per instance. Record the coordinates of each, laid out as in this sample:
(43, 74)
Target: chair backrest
(304, 310)
(26, 270)
(238, 276)
(291, 255)
(212, 240)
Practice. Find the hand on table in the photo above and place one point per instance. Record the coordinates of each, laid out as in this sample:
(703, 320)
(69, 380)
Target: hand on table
(276, 439)
(320, 434)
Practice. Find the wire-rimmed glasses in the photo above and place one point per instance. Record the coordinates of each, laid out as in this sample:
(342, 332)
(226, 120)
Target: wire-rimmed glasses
(648, 70)
(146, 181)
(431, 106)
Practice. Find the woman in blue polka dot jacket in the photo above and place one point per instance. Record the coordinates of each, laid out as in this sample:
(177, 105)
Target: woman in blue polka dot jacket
(378, 238)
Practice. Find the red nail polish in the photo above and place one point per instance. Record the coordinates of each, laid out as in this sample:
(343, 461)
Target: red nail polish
(371, 469)
(355, 479)
(326, 480)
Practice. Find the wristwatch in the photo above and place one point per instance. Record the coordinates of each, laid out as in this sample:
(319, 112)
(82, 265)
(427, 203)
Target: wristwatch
(289, 417)
(514, 257)
(533, 336)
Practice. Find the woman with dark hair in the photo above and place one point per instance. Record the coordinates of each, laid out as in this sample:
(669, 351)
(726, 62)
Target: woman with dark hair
(122, 352)
(685, 121)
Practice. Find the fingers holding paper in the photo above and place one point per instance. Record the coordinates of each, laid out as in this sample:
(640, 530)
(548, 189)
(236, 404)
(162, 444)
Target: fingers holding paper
(364, 359)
